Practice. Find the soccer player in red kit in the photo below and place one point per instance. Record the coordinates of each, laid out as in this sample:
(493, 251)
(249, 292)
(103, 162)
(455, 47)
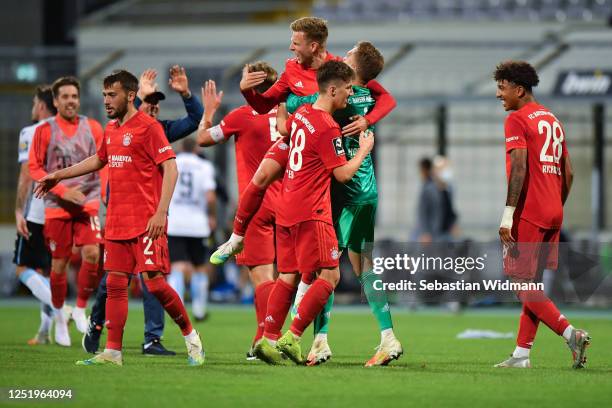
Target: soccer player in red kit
(540, 175)
(253, 135)
(142, 176)
(308, 44)
(71, 210)
(305, 238)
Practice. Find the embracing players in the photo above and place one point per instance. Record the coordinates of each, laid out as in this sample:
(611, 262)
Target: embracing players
(142, 176)
(540, 176)
(306, 240)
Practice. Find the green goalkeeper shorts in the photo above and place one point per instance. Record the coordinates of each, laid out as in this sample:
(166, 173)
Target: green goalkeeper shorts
(354, 226)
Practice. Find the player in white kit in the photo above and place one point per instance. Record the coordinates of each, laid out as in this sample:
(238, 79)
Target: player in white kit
(32, 259)
(191, 220)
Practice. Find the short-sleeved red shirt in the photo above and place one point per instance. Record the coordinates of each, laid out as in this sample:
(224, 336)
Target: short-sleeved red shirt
(535, 128)
(253, 134)
(133, 153)
(315, 150)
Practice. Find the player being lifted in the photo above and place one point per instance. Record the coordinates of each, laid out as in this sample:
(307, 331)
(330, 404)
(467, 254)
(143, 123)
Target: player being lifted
(71, 209)
(540, 175)
(308, 43)
(253, 135)
(138, 155)
(354, 213)
(305, 238)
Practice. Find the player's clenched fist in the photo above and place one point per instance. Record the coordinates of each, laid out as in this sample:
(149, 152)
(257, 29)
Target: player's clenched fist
(366, 141)
(251, 79)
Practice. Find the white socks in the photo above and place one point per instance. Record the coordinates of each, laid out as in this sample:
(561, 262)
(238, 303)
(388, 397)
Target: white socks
(235, 239)
(387, 333)
(199, 294)
(301, 291)
(521, 352)
(113, 353)
(38, 285)
(567, 333)
(191, 336)
(177, 282)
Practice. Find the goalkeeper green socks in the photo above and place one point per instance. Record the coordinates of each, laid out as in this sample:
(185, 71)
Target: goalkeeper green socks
(377, 299)
(321, 322)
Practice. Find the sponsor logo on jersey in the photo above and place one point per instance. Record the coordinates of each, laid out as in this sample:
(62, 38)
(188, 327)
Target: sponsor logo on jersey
(299, 84)
(337, 142)
(117, 160)
(163, 149)
(127, 139)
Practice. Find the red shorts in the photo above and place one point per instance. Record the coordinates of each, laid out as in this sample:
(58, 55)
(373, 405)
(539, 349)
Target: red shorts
(306, 247)
(62, 234)
(536, 249)
(259, 246)
(137, 255)
(279, 152)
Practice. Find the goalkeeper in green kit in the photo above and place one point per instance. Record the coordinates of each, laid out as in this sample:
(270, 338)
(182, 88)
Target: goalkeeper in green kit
(354, 214)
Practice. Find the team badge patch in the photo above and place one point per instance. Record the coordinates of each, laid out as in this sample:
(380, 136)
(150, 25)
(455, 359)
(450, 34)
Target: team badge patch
(52, 246)
(127, 139)
(338, 146)
(335, 254)
(283, 146)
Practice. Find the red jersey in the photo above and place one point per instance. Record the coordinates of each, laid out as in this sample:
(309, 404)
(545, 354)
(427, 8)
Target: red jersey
(295, 79)
(38, 160)
(535, 128)
(253, 135)
(133, 152)
(315, 150)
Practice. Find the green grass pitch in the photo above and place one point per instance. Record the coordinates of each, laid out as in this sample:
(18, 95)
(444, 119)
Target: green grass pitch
(436, 370)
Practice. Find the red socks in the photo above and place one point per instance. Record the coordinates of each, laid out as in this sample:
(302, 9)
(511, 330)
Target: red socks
(279, 303)
(250, 201)
(262, 293)
(528, 326)
(544, 309)
(86, 282)
(59, 285)
(116, 309)
(171, 302)
(311, 305)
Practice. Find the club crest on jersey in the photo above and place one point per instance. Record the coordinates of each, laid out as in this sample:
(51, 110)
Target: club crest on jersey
(335, 254)
(127, 139)
(283, 146)
(52, 246)
(338, 146)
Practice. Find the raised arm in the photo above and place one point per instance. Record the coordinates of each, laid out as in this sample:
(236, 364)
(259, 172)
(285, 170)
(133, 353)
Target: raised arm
(208, 136)
(262, 103)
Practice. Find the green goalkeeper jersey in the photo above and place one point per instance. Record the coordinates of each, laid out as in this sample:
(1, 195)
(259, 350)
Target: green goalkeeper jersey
(361, 189)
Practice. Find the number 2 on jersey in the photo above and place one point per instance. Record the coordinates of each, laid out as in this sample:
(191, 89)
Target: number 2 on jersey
(555, 132)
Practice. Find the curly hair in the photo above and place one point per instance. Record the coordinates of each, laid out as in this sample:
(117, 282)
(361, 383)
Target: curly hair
(518, 72)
